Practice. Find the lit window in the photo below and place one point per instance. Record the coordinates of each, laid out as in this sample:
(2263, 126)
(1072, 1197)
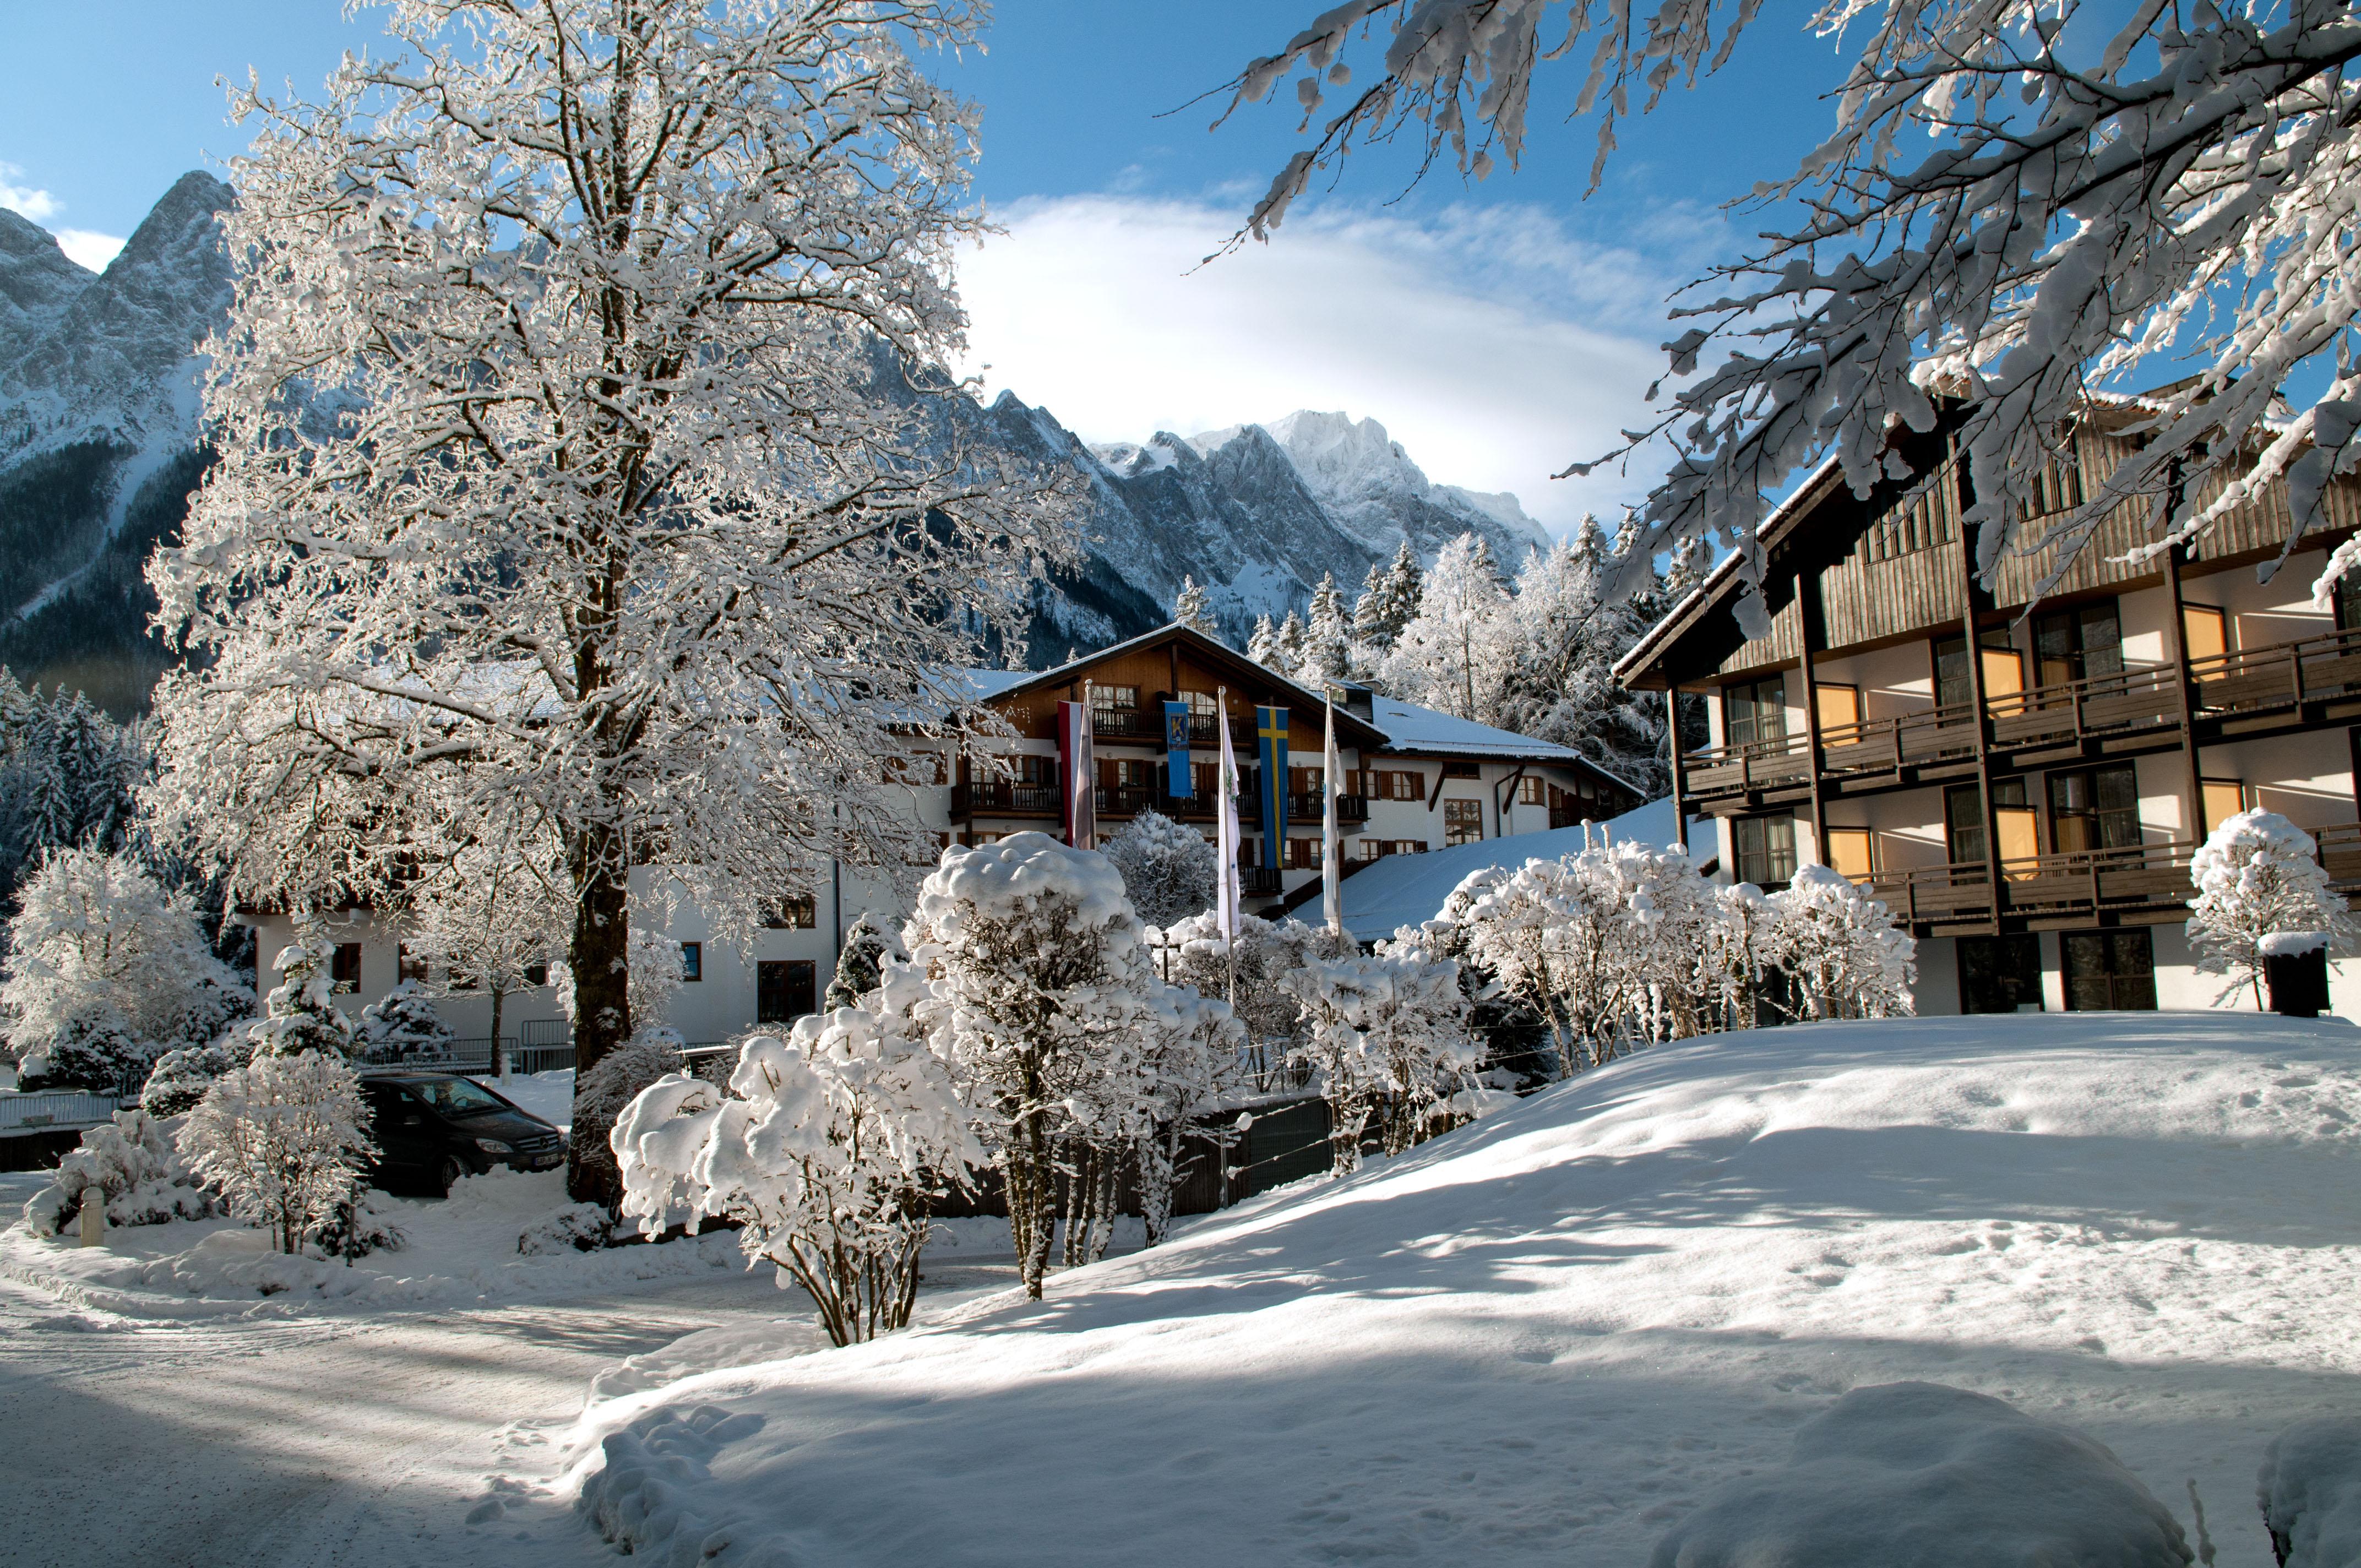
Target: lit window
(692, 960)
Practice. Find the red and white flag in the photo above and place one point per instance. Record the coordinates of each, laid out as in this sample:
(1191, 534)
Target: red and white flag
(1078, 771)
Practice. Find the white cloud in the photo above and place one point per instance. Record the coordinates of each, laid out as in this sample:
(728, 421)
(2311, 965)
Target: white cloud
(38, 205)
(1493, 344)
(88, 248)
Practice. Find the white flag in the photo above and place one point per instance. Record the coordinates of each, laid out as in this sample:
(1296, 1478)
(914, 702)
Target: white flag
(1225, 846)
(1331, 859)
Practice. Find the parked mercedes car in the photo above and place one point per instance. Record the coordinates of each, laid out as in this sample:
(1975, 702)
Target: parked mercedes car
(431, 1128)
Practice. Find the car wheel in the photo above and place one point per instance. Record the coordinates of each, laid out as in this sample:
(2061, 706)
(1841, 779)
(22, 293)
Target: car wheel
(454, 1167)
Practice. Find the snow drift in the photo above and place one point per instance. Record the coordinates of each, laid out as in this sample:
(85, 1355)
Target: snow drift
(1547, 1337)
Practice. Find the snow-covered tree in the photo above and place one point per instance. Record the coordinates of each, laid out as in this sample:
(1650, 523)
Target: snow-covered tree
(1385, 1036)
(140, 1178)
(499, 918)
(1195, 1055)
(1327, 637)
(1737, 949)
(1263, 645)
(1264, 953)
(2261, 892)
(402, 1026)
(866, 944)
(285, 1139)
(1454, 654)
(1168, 866)
(657, 969)
(1841, 948)
(106, 970)
(1547, 931)
(601, 1093)
(300, 1016)
(2017, 203)
(181, 1077)
(1567, 628)
(576, 427)
(1192, 609)
(1027, 973)
(824, 1151)
(1388, 602)
(68, 775)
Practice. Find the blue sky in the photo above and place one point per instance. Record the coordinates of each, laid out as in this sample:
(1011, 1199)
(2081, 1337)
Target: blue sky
(1498, 330)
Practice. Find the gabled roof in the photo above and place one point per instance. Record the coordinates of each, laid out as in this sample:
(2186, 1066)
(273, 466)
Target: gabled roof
(1407, 890)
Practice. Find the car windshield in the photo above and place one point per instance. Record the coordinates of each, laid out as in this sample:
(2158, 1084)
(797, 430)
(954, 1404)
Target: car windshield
(457, 1096)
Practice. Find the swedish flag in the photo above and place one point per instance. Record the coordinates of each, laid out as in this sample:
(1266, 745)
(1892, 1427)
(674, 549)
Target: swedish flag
(1270, 731)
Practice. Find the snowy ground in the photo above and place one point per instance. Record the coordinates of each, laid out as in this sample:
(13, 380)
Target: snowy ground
(1543, 1339)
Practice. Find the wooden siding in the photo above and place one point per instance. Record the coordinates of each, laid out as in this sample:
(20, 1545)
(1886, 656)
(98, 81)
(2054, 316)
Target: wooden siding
(1875, 595)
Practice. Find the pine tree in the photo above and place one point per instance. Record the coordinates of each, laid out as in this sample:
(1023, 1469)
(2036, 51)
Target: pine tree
(1286, 647)
(301, 1015)
(1455, 654)
(1263, 646)
(1388, 600)
(1327, 640)
(1191, 610)
(866, 944)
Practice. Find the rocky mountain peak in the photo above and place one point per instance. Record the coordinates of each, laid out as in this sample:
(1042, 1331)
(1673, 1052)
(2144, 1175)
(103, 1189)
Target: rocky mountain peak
(38, 281)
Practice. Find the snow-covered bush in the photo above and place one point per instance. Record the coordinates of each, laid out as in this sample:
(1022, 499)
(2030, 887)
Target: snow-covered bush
(300, 1016)
(866, 944)
(358, 1227)
(106, 970)
(1387, 1037)
(1738, 946)
(2310, 1488)
(578, 1227)
(284, 1138)
(1921, 1473)
(1196, 1052)
(599, 1097)
(2261, 894)
(138, 1172)
(1266, 952)
(1841, 948)
(402, 1026)
(179, 1078)
(824, 1150)
(1516, 1050)
(1027, 973)
(1551, 932)
(1168, 868)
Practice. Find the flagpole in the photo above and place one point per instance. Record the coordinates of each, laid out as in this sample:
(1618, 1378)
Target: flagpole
(1225, 817)
(1332, 874)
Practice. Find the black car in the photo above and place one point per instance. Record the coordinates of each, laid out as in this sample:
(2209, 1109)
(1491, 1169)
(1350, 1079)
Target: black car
(431, 1128)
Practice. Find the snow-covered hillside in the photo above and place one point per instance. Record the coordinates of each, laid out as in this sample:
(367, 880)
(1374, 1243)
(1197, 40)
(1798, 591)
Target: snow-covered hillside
(1547, 1338)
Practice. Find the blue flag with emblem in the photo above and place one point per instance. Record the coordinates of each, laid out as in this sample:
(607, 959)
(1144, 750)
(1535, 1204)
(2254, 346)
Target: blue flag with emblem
(1176, 751)
(1270, 730)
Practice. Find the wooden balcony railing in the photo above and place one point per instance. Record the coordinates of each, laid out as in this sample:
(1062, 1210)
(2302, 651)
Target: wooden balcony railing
(2340, 855)
(1258, 882)
(2279, 675)
(2086, 882)
(1147, 724)
(1311, 806)
(1000, 797)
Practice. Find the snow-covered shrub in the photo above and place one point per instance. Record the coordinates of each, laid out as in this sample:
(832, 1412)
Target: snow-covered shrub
(600, 1096)
(866, 944)
(284, 1139)
(1516, 1050)
(1196, 1051)
(1266, 952)
(1841, 948)
(823, 1149)
(179, 1078)
(2310, 1488)
(301, 1016)
(1167, 868)
(578, 1227)
(402, 1026)
(138, 1172)
(106, 970)
(2261, 894)
(358, 1227)
(1738, 947)
(1387, 1037)
(1027, 973)
(1551, 933)
(1921, 1473)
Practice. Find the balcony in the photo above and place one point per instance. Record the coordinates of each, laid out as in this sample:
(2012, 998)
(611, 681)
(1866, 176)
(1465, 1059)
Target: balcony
(1146, 725)
(1258, 882)
(2083, 884)
(1000, 797)
(1311, 806)
(2279, 687)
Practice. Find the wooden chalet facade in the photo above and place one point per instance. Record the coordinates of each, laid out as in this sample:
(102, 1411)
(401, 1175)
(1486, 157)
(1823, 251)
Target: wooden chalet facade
(2099, 731)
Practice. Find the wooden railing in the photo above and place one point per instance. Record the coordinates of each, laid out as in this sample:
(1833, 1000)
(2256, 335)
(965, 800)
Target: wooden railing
(1000, 797)
(2340, 855)
(1310, 805)
(1147, 724)
(2139, 876)
(2279, 675)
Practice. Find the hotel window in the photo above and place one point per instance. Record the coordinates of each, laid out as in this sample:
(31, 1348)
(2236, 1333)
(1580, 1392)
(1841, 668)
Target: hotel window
(1963, 819)
(1765, 849)
(345, 968)
(2348, 601)
(1463, 821)
(1921, 525)
(2058, 487)
(2094, 810)
(799, 912)
(1122, 699)
(1753, 712)
(1851, 854)
(536, 974)
(1532, 790)
(2109, 971)
(2078, 644)
(2205, 633)
(785, 990)
(1303, 854)
(1201, 704)
(692, 960)
(2003, 671)
(2224, 798)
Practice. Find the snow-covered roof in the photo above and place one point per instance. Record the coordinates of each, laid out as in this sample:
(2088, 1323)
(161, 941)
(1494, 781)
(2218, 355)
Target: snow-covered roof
(1404, 890)
(1411, 729)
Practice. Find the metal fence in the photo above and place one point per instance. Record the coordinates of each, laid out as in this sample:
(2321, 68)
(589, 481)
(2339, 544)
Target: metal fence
(54, 1108)
(476, 1056)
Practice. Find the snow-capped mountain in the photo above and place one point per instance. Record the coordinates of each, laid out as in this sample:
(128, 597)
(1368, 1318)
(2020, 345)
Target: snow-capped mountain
(99, 451)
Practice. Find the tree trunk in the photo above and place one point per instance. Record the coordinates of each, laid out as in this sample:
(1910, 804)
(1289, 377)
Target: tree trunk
(500, 1059)
(598, 954)
(1110, 1166)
